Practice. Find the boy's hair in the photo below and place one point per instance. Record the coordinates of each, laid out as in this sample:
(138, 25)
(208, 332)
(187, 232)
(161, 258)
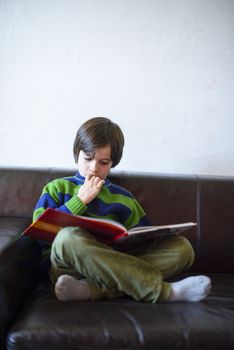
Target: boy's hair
(98, 132)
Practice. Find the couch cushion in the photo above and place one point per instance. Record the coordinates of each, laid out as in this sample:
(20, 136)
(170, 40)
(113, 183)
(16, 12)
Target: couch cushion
(46, 323)
(19, 190)
(10, 229)
(19, 274)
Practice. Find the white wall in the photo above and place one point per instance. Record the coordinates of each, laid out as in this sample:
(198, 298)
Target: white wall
(162, 69)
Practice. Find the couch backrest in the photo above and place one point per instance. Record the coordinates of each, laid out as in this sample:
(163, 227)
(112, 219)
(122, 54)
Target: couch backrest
(167, 199)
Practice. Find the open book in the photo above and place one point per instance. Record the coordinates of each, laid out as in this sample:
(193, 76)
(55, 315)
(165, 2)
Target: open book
(107, 231)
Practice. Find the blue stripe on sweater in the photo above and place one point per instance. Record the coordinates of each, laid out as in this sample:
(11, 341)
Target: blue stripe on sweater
(115, 189)
(99, 208)
(64, 197)
(143, 222)
(46, 201)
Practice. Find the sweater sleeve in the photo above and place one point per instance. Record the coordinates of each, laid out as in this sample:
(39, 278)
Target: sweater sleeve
(60, 197)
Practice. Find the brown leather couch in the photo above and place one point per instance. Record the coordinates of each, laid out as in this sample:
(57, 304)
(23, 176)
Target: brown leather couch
(32, 318)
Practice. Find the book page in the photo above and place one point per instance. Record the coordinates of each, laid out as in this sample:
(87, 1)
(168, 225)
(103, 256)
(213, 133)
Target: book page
(141, 229)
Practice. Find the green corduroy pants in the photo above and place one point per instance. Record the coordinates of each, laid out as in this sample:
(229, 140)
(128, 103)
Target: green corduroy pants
(111, 273)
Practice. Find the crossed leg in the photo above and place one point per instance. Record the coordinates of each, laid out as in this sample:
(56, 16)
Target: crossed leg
(107, 273)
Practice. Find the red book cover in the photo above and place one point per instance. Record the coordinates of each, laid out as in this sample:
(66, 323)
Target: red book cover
(51, 221)
(106, 231)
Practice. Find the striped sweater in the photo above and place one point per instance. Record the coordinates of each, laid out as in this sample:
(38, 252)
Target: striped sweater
(113, 202)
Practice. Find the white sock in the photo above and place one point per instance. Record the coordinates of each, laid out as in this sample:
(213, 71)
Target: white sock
(69, 288)
(190, 289)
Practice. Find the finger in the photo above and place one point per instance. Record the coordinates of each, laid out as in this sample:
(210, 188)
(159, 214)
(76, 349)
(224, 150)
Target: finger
(93, 180)
(100, 183)
(88, 177)
(96, 180)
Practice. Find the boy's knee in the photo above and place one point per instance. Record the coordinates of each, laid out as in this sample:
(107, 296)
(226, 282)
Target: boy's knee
(68, 249)
(70, 237)
(64, 236)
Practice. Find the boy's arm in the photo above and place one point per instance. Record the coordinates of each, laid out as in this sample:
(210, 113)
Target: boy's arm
(54, 196)
(60, 195)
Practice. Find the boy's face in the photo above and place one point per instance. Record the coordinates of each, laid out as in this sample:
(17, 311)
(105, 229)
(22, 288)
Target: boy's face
(97, 164)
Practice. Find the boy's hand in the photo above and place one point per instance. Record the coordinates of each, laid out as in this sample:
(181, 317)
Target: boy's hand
(90, 189)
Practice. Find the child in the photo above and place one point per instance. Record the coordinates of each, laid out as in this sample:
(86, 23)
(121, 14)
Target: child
(83, 268)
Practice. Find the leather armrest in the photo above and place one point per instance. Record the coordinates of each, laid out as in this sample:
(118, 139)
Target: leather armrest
(19, 274)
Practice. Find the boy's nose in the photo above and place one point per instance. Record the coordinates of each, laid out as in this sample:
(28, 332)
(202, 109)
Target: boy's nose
(93, 166)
